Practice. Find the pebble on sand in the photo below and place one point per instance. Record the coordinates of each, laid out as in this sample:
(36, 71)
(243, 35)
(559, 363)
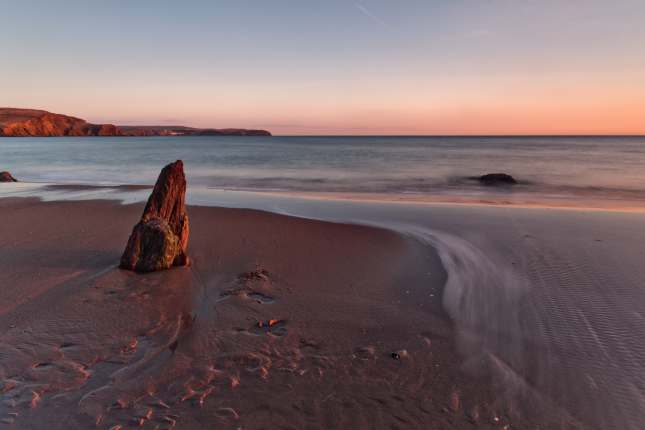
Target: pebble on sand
(6, 177)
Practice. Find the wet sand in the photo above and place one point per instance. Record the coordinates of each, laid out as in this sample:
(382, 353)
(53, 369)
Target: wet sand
(499, 197)
(280, 322)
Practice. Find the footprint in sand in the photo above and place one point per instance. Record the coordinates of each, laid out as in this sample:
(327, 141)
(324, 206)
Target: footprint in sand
(260, 298)
(248, 285)
(255, 275)
(365, 352)
(256, 296)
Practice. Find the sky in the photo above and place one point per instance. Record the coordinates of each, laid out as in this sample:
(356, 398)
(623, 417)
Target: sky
(332, 67)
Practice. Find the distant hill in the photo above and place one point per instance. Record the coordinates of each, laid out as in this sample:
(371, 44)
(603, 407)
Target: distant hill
(39, 123)
(31, 122)
(180, 130)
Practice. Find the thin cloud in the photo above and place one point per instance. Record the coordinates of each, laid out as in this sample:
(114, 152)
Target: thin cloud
(365, 11)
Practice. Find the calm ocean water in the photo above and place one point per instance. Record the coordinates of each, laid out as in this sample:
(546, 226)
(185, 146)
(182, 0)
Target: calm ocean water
(596, 168)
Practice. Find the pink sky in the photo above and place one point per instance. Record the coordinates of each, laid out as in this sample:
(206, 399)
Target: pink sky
(337, 67)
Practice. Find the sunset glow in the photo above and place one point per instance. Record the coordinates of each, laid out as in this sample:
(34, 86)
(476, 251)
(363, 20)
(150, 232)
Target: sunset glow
(342, 67)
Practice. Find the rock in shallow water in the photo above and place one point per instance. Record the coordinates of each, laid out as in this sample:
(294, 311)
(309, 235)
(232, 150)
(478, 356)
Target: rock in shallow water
(160, 239)
(497, 179)
(6, 177)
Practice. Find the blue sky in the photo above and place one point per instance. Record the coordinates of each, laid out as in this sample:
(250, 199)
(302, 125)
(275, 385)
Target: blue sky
(332, 67)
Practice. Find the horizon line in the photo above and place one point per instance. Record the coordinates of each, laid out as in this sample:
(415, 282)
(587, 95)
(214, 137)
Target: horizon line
(461, 135)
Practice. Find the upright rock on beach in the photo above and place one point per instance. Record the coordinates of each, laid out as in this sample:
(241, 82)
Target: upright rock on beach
(160, 239)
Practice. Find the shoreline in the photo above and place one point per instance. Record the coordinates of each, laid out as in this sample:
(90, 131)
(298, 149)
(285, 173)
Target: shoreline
(625, 206)
(434, 200)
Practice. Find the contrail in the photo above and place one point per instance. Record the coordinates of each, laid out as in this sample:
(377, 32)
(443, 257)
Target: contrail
(365, 11)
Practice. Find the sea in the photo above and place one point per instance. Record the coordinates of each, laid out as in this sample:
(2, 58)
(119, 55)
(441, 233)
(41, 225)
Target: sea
(557, 171)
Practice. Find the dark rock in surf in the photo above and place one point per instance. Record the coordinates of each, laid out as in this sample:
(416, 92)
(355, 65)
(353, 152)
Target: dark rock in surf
(160, 239)
(497, 179)
(6, 177)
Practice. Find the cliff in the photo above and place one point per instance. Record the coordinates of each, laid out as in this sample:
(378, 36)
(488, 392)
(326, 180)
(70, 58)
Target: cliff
(32, 122)
(39, 123)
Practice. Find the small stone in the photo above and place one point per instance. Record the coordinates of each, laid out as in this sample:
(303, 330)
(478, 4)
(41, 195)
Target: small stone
(6, 177)
(235, 381)
(400, 354)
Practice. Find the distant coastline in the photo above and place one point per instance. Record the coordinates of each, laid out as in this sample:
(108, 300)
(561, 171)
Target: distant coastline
(16, 122)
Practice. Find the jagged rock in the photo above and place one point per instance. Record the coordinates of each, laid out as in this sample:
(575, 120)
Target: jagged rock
(160, 239)
(497, 179)
(6, 177)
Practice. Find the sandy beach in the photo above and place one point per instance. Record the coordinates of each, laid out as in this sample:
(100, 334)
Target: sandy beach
(279, 322)
(412, 316)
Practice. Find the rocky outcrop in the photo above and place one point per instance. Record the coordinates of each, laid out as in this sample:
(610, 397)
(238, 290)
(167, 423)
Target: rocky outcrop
(40, 123)
(6, 177)
(156, 130)
(160, 239)
(104, 130)
(230, 132)
(497, 179)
